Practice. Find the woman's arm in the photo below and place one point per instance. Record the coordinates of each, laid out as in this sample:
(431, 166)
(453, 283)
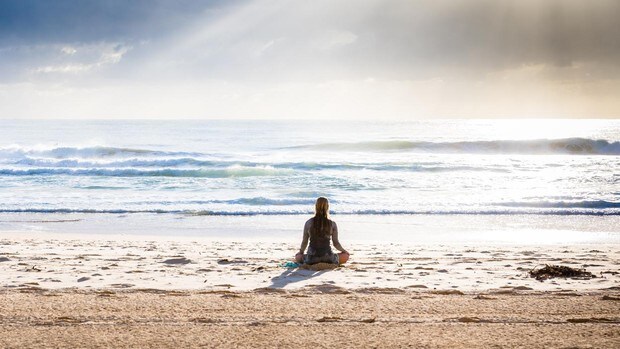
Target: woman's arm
(304, 241)
(335, 238)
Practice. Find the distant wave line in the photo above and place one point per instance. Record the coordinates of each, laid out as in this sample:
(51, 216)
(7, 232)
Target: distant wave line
(250, 201)
(219, 169)
(265, 201)
(592, 204)
(308, 212)
(198, 173)
(87, 152)
(573, 146)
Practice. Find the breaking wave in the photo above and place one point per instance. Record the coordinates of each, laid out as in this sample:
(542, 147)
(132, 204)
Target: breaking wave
(562, 212)
(234, 171)
(540, 146)
(93, 152)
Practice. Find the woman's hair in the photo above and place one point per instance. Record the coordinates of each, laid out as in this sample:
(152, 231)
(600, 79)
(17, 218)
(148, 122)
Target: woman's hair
(322, 226)
(321, 208)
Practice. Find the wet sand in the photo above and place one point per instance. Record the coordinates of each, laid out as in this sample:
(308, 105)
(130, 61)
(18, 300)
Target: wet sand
(323, 316)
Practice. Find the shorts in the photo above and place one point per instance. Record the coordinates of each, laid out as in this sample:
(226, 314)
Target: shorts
(326, 258)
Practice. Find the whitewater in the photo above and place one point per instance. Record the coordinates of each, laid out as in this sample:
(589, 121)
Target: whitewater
(239, 168)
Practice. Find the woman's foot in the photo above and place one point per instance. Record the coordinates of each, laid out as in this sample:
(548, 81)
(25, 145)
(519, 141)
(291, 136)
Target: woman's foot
(343, 257)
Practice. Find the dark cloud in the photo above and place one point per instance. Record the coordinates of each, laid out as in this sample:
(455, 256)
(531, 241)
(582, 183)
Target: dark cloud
(500, 34)
(408, 39)
(61, 21)
(414, 39)
(315, 40)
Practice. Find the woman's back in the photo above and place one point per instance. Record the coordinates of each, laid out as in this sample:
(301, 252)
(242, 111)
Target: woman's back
(320, 230)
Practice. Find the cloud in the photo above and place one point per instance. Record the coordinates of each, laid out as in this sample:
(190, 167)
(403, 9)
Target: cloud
(60, 63)
(330, 40)
(45, 22)
(349, 57)
(84, 58)
(394, 39)
(68, 50)
(335, 39)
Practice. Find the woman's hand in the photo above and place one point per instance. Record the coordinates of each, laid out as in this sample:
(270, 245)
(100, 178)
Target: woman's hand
(299, 257)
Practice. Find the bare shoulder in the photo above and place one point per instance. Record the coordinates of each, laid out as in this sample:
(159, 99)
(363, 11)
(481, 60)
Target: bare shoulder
(334, 225)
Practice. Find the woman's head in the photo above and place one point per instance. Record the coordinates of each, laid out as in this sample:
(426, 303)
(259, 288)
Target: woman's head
(321, 207)
(321, 227)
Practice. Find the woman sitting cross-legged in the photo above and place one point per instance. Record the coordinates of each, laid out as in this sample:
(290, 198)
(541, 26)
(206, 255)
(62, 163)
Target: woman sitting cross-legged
(320, 230)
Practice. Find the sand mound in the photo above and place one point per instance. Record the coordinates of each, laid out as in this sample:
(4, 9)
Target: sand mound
(327, 288)
(319, 266)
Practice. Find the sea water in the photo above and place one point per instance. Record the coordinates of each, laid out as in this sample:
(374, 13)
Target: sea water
(158, 175)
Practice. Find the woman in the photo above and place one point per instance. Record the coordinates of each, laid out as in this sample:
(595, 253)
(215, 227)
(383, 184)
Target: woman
(320, 230)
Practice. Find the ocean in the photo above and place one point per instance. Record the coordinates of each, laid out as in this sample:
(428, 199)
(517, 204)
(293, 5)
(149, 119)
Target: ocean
(374, 172)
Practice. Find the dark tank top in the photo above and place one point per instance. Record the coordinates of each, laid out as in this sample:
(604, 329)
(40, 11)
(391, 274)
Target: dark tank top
(320, 244)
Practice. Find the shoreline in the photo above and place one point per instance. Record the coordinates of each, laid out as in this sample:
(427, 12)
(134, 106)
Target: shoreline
(410, 229)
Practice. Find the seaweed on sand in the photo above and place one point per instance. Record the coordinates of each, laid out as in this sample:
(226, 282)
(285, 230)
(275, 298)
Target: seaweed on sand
(553, 271)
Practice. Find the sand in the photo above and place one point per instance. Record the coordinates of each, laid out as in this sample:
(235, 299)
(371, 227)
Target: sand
(309, 317)
(156, 293)
(53, 262)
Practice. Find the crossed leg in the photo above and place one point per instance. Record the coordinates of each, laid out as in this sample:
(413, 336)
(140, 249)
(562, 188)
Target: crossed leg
(343, 257)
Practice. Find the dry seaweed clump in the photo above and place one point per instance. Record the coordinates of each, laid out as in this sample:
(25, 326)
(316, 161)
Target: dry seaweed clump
(559, 271)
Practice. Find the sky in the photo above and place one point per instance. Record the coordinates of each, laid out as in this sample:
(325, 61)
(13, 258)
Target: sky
(319, 59)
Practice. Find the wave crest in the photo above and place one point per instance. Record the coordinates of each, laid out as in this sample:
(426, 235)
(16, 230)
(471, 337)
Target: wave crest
(91, 152)
(538, 146)
(561, 212)
(234, 171)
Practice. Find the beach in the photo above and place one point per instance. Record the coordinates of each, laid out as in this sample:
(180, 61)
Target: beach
(70, 290)
(182, 234)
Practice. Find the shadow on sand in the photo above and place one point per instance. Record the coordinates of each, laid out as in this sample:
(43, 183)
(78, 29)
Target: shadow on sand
(290, 276)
